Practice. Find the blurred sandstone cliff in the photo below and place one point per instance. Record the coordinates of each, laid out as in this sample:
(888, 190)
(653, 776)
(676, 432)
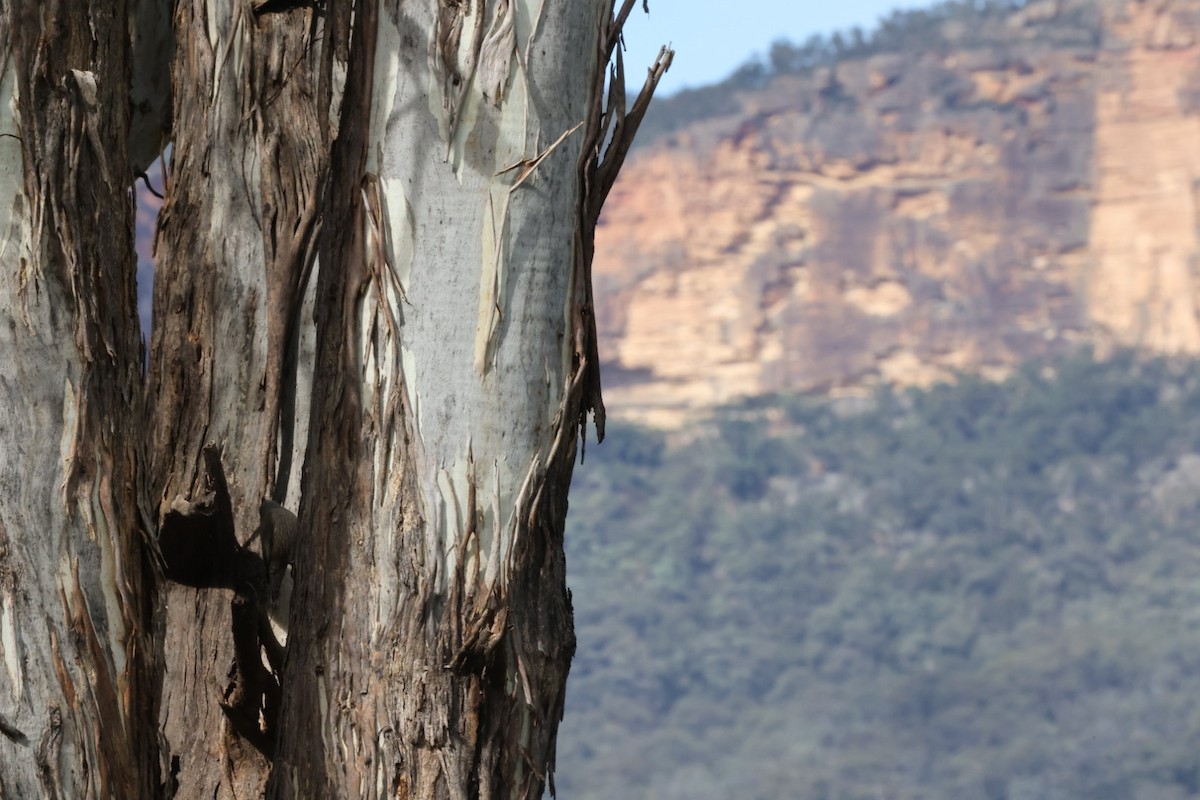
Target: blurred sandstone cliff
(905, 215)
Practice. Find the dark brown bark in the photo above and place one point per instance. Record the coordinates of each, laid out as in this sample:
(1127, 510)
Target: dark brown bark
(335, 446)
(234, 244)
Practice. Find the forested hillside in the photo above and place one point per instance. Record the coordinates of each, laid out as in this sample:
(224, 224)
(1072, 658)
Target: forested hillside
(974, 591)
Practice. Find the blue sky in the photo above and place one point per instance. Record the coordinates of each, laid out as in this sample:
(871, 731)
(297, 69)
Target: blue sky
(713, 37)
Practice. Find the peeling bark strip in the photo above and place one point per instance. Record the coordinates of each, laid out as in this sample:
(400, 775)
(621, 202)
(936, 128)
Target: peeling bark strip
(77, 696)
(608, 122)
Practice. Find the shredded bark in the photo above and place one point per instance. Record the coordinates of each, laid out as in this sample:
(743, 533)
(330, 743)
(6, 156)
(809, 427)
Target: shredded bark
(608, 122)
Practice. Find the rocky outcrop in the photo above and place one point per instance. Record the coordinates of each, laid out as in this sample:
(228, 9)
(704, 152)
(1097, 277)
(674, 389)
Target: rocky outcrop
(902, 217)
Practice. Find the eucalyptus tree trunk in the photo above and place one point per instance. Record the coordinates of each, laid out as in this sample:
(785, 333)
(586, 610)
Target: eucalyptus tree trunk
(417, 397)
(432, 631)
(77, 684)
(432, 627)
(235, 240)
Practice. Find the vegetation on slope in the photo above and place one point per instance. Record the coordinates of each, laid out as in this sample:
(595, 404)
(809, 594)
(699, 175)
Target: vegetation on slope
(980, 590)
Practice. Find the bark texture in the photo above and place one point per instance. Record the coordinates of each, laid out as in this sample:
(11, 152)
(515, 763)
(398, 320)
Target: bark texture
(432, 628)
(234, 246)
(77, 692)
(448, 159)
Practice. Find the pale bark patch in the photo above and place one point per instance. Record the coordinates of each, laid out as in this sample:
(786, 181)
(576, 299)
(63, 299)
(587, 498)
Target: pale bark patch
(12, 232)
(388, 67)
(10, 644)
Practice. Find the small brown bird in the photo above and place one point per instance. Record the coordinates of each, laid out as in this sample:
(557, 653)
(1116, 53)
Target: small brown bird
(277, 528)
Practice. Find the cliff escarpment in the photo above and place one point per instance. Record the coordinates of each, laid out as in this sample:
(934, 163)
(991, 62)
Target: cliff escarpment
(899, 217)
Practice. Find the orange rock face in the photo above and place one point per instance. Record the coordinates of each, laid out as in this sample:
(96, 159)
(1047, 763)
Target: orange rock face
(901, 218)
